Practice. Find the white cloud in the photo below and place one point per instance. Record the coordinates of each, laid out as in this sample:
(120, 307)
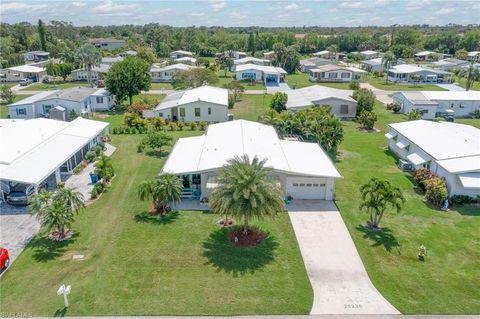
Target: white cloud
(218, 5)
(197, 14)
(292, 7)
(444, 11)
(237, 16)
(418, 4)
(78, 4)
(20, 7)
(108, 7)
(364, 4)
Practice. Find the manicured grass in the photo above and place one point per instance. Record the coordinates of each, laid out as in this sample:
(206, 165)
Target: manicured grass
(447, 282)
(463, 83)
(251, 106)
(473, 122)
(161, 86)
(8, 85)
(4, 107)
(299, 80)
(379, 83)
(336, 85)
(54, 85)
(137, 264)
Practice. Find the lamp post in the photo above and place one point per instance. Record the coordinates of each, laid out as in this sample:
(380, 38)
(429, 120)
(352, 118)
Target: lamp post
(64, 291)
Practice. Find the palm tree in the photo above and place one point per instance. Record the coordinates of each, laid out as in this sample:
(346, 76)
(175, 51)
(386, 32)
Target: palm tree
(245, 190)
(388, 60)
(332, 51)
(104, 167)
(88, 56)
(472, 74)
(378, 195)
(162, 191)
(57, 210)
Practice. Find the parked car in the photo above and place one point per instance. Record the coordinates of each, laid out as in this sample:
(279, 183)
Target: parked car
(100, 84)
(25, 82)
(4, 258)
(18, 198)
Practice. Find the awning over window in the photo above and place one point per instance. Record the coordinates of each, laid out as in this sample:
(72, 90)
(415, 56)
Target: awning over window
(401, 145)
(416, 159)
(390, 135)
(470, 180)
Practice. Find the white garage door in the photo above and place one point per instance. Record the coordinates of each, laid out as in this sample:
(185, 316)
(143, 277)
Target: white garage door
(306, 188)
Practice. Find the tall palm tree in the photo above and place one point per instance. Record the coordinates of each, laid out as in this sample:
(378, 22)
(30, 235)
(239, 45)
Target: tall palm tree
(245, 190)
(388, 60)
(472, 74)
(162, 191)
(332, 51)
(377, 196)
(88, 56)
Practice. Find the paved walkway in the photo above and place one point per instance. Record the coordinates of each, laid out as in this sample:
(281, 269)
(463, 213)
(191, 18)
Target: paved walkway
(451, 87)
(282, 87)
(339, 280)
(382, 95)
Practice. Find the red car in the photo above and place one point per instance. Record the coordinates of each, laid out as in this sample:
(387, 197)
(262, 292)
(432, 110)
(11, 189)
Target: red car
(4, 259)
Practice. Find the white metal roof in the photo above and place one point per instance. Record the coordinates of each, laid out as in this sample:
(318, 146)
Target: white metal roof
(34, 98)
(177, 66)
(424, 53)
(311, 95)
(27, 69)
(225, 140)
(322, 52)
(452, 95)
(5, 122)
(186, 58)
(376, 61)
(262, 68)
(470, 180)
(473, 53)
(368, 52)
(406, 68)
(461, 164)
(441, 140)
(183, 52)
(31, 150)
(204, 93)
(249, 59)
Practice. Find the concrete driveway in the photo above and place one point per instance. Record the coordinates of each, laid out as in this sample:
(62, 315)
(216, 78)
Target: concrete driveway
(339, 279)
(382, 95)
(451, 87)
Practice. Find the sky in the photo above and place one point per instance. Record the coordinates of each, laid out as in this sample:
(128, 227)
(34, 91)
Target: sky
(266, 13)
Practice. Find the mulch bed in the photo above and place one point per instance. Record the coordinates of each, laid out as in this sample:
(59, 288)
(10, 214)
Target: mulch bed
(252, 239)
(57, 236)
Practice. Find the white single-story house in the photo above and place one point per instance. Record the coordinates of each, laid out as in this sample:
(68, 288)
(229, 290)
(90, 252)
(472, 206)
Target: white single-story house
(249, 60)
(40, 153)
(448, 149)
(430, 56)
(180, 54)
(450, 63)
(111, 60)
(473, 56)
(36, 56)
(107, 43)
(165, 74)
(97, 73)
(369, 54)
(341, 102)
(236, 54)
(407, 73)
(205, 103)
(303, 170)
(372, 65)
(82, 100)
(437, 103)
(308, 64)
(269, 75)
(186, 59)
(335, 73)
(16, 73)
(322, 54)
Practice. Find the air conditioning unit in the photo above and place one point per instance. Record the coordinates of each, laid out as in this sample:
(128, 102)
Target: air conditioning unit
(405, 165)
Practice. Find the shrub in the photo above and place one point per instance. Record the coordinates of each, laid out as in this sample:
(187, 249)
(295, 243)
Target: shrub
(354, 85)
(97, 149)
(77, 170)
(389, 106)
(180, 125)
(463, 199)
(90, 156)
(172, 126)
(396, 107)
(138, 108)
(158, 123)
(414, 115)
(365, 100)
(279, 101)
(475, 114)
(99, 187)
(115, 130)
(367, 119)
(192, 125)
(203, 125)
(436, 191)
(422, 176)
(140, 147)
(93, 193)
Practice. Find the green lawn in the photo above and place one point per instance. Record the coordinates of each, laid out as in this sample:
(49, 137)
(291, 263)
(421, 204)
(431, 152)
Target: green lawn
(4, 107)
(463, 82)
(54, 85)
(299, 80)
(251, 106)
(379, 83)
(473, 122)
(448, 281)
(161, 86)
(137, 264)
(8, 85)
(336, 85)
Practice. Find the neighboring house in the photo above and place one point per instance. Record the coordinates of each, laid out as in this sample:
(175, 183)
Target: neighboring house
(334, 73)
(308, 64)
(341, 102)
(186, 59)
(322, 54)
(205, 103)
(40, 153)
(430, 56)
(268, 55)
(376, 64)
(473, 56)
(302, 170)
(448, 149)
(111, 60)
(97, 73)
(82, 100)
(407, 73)
(128, 53)
(165, 74)
(36, 56)
(450, 63)
(249, 60)
(180, 54)
(16, 73)
(369, 54)
(107, 44)
(438, 103)
(269, 75)
(235, 55)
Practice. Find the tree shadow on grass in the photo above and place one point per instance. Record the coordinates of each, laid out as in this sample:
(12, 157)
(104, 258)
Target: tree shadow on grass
(45, 249)
(148, 217)
(157, 153)
(383, 237)
(468, 210)
(224, 256)
(60, 312)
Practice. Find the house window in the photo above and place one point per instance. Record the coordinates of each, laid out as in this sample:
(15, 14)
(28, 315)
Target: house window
(322, 185)
(46, 109)
(302, 185)
(332, 75)
(99, 99)
(160, 114)
(315, 185)
(21, 111)
(197, 112)
(209, 111)
(309, 185)
(249, 75)
(345, 75)
(182, 112)
(344, 109)
(295, 184)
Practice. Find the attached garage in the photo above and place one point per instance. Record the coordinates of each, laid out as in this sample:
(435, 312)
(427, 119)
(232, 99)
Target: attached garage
(306, 187)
